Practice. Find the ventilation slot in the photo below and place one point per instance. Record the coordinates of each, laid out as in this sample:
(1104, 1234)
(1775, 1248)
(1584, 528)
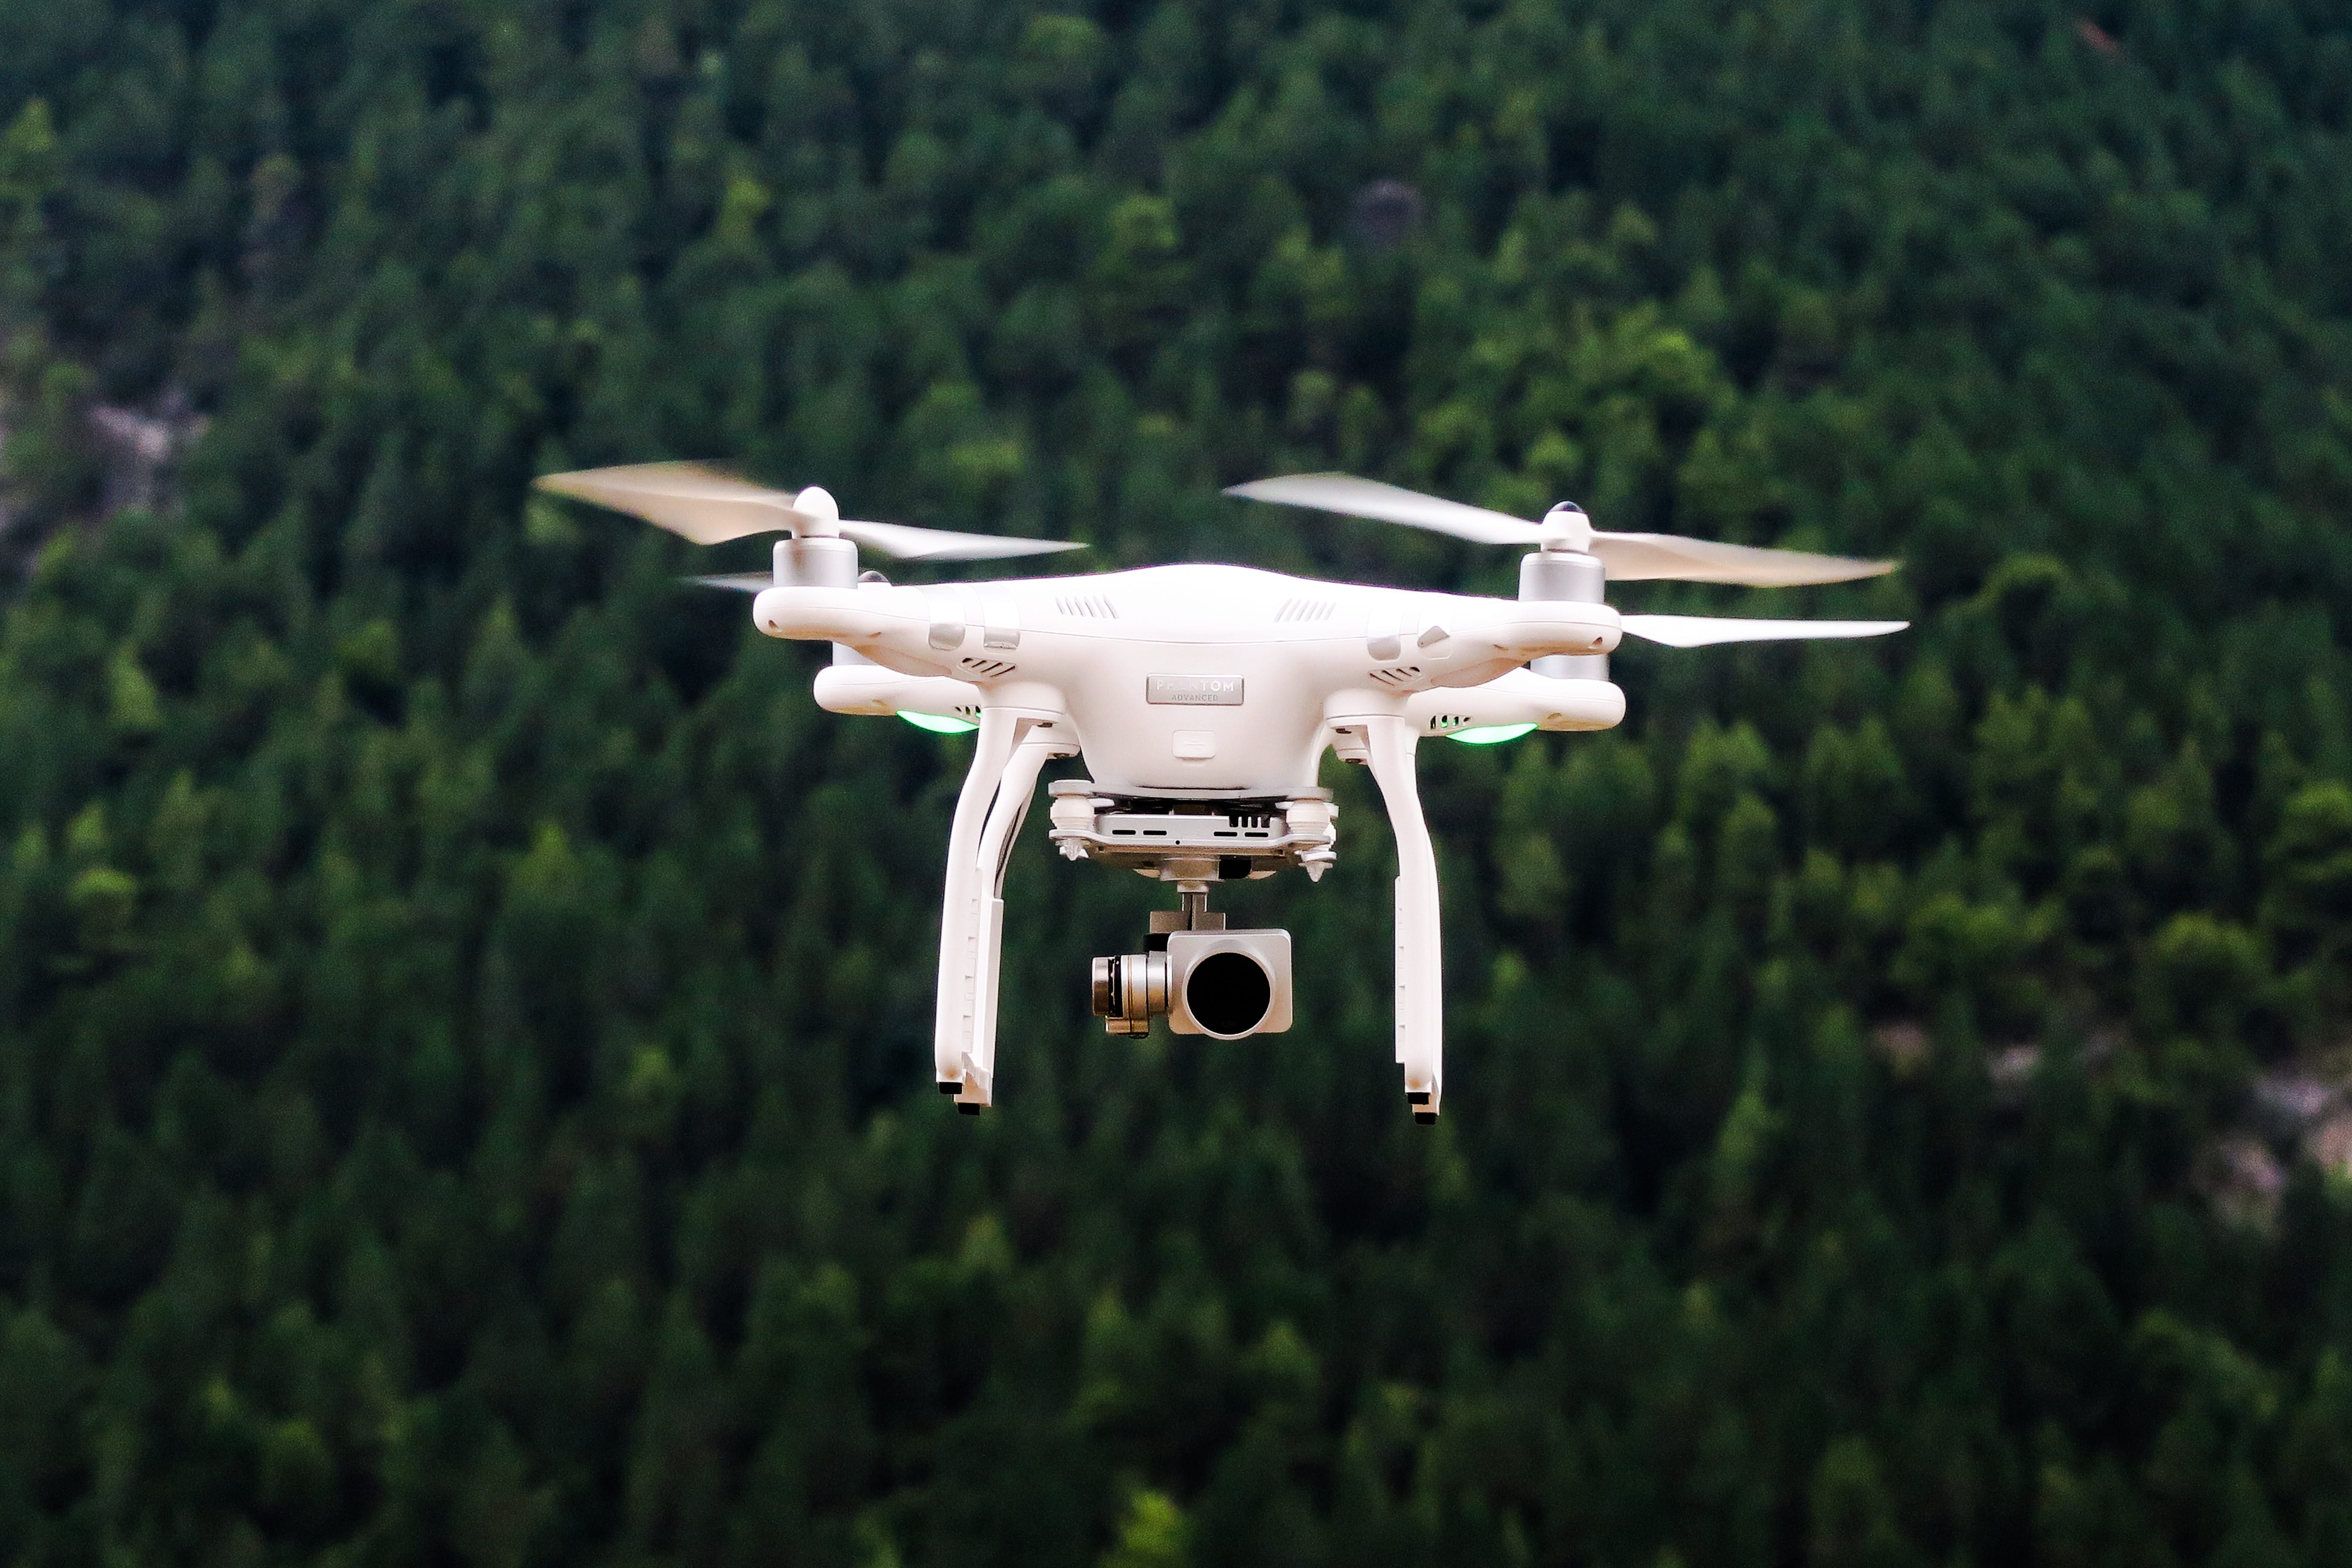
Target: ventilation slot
(1305, 610)
(1440, 722)
(1395, 675)
(1087, 607)
(991, 667)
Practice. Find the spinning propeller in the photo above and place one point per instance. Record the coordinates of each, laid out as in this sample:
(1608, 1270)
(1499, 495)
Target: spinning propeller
(710, 506)
(1624, 557)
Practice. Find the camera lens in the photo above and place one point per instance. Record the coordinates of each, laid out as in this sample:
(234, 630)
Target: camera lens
(1228, 992)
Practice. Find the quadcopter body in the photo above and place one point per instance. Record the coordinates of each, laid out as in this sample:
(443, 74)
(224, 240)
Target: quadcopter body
(1198, 682)
(1201, 698)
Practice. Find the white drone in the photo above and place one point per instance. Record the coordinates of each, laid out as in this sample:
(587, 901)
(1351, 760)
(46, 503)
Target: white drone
(1201, 698)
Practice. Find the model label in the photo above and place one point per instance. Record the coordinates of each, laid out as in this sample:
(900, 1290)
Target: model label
(1194, 691)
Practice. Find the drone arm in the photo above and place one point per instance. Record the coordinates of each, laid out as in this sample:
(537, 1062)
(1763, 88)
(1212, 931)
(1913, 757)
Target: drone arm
(1420, 956)
(892, 626)
(1514, 631)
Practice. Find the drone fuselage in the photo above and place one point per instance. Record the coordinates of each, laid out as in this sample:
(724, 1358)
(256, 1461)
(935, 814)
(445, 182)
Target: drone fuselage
(1201, 681)
(1203, 699)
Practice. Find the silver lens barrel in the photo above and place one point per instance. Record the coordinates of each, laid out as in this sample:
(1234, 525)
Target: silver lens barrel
(1130, 990)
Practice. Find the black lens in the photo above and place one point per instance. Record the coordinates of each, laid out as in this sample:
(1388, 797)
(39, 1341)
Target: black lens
(1228, 992)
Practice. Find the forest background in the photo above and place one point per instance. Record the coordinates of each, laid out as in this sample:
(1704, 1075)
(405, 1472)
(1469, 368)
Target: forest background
(463, 1011)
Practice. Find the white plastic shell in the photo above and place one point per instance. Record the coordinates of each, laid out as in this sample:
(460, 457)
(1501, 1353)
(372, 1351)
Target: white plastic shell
(1522, 697)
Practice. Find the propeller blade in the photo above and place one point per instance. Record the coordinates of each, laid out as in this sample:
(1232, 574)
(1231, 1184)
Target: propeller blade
(1637, 557)
(737, 582)
(1629, 557)
(1702, 631)
(711, 507)
(689, 500)
(1388, 503)
(910, 543)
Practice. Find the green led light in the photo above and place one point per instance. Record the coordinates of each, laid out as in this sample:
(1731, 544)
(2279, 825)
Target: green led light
(1490, 734)
(939, 724)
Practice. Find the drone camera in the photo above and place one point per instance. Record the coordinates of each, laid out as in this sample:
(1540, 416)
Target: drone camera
(1227, 985)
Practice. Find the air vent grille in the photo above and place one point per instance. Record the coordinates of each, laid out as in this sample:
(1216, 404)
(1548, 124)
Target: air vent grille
(1397, 675)
(1087, 607)
(989, 668)
(1306, 610)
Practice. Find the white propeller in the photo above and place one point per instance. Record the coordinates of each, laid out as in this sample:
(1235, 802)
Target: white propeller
(1628, 557)
(1701, 631)
(738, 581)
(1388, 503)
(710, 507)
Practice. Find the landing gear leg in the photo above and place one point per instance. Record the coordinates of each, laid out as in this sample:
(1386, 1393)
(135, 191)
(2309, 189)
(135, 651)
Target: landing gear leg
(1009, 750)
(1419, 955)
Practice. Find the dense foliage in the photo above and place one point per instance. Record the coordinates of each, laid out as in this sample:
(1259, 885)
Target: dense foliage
(464, 1013)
